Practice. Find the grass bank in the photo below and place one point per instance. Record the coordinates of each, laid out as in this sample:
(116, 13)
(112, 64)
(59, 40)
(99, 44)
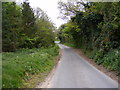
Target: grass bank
(20, 66)
(69, 44)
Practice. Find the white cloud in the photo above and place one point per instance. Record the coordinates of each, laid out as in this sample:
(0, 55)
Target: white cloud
(50, 7)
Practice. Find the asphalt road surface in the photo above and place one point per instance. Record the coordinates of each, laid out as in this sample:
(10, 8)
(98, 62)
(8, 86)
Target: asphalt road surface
(75, 72)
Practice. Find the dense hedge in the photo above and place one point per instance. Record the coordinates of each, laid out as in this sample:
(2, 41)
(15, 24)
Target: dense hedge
(96, 30)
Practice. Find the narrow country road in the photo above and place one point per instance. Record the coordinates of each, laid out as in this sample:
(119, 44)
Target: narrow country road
(75, 72)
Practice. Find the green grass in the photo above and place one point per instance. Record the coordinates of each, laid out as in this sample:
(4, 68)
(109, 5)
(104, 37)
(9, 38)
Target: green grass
(69, 44)
(19, 66)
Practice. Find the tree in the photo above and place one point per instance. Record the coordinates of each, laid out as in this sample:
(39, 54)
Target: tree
(11, 24)
(45, 29)
(97, 31)
(28, 19)
(71, 7)
(23, 29)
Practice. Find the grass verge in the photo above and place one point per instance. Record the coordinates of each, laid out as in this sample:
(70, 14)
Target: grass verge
(69, 44)
(21, 66)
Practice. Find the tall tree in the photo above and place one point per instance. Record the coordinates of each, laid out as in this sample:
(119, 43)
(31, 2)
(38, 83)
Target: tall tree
(11, 24)
(98, 31)
(45, 29)
(28, 20)
(71, 7)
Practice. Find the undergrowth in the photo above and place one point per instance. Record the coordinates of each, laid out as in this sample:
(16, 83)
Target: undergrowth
(20, 65)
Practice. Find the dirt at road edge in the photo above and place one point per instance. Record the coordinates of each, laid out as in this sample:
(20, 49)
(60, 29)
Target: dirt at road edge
(111, 74)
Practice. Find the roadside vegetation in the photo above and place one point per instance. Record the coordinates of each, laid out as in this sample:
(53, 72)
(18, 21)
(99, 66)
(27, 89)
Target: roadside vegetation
(20, 65)
(25, 27)
(93, 27)
(28, 46)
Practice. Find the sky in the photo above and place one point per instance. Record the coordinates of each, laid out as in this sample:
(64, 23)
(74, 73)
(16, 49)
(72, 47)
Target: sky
(50, 7)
